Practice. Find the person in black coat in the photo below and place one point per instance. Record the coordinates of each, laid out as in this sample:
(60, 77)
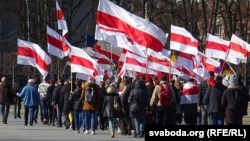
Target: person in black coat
(108, 109)
(139, 96)
(51, 108)
(213, 98)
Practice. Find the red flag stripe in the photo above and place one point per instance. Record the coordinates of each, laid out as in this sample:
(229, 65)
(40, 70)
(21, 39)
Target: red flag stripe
(81, 61)
(28, 52)
(135, 62)
(238, 48)
(183, 40)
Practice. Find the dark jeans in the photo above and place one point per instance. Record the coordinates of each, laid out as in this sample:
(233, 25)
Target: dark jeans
(90, 117)
(44, 109)
(165, 115)
(17, 110)
(202, 118)
(29, 113)
(59, 109)
(4, 110)
(217, 119)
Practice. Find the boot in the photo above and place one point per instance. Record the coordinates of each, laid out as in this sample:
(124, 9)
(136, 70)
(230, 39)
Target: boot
(4, 120)
(112, 135)
(129, 130)
(142, 133)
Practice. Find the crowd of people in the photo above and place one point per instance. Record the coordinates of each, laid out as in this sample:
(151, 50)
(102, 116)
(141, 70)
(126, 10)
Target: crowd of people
(85, 106)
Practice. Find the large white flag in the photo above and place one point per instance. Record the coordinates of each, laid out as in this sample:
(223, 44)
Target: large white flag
(115, 22)
(183, 41)
(216, 47)
(55, 46)
(238, 49)
(29, 53)
(81, 62)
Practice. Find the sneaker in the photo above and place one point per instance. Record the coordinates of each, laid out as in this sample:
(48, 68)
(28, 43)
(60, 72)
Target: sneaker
(92, 132)
(77, 131)
(86, 132)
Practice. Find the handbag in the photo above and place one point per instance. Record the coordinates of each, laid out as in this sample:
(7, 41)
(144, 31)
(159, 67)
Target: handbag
(134, 108)
(78, 104)
(117, 106)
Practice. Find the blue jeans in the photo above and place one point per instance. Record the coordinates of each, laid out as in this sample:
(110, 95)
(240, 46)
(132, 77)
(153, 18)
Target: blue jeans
(112, 123)
(77, 116)
(202, 118)
(4, 111)
(59, 109)
(90, 117)
(216, 119)
(139, 125)
(29, 111)
(44, 108)
(82, 119)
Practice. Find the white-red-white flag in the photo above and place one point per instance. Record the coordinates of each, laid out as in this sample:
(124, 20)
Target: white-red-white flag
(101, 59)
(109, 51)
(216, 47)
(161, 63)
(61, 22)
(238, 49)
(81, 62)
(183, 41)
(29, 53)
(116, 21)
(137, 63)
(185, 60)
(55, 46)
(189, 94)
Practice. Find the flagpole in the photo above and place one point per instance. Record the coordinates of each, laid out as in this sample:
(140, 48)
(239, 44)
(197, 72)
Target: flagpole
(110, 61)
(28, 27)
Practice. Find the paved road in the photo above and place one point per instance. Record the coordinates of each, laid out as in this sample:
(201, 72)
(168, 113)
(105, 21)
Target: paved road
(16, 131)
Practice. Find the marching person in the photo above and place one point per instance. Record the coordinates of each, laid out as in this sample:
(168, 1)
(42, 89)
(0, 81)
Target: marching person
(31, 99)
(6, 99)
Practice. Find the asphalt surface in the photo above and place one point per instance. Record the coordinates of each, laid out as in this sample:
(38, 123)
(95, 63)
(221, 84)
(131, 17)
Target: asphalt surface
(16, 131)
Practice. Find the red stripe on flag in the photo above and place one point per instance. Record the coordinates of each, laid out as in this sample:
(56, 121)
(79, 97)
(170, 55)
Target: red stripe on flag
(183, 40)
(28, 52)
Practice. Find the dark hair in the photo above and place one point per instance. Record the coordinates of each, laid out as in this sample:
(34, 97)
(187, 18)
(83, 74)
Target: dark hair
(61, 80)
(78, 83)
(218, 78)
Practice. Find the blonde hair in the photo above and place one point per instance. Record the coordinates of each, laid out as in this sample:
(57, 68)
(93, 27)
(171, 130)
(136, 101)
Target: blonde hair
(111, 89)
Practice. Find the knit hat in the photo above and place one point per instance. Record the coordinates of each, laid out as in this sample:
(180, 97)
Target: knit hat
(163, 79)
(233, 81)
(52, 81)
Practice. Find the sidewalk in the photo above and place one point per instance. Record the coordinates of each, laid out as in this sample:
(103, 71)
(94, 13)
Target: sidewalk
(16, 131)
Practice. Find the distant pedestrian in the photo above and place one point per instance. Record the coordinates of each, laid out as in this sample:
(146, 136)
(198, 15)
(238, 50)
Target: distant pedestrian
(31, 100)
(6, 98)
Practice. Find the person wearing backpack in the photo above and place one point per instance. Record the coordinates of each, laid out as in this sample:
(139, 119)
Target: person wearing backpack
(232, 100)
(163, 109)
(91, 93)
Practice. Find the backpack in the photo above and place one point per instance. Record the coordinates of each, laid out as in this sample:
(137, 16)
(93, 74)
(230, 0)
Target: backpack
(89, 94)
(234, 100)
(165, 98)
